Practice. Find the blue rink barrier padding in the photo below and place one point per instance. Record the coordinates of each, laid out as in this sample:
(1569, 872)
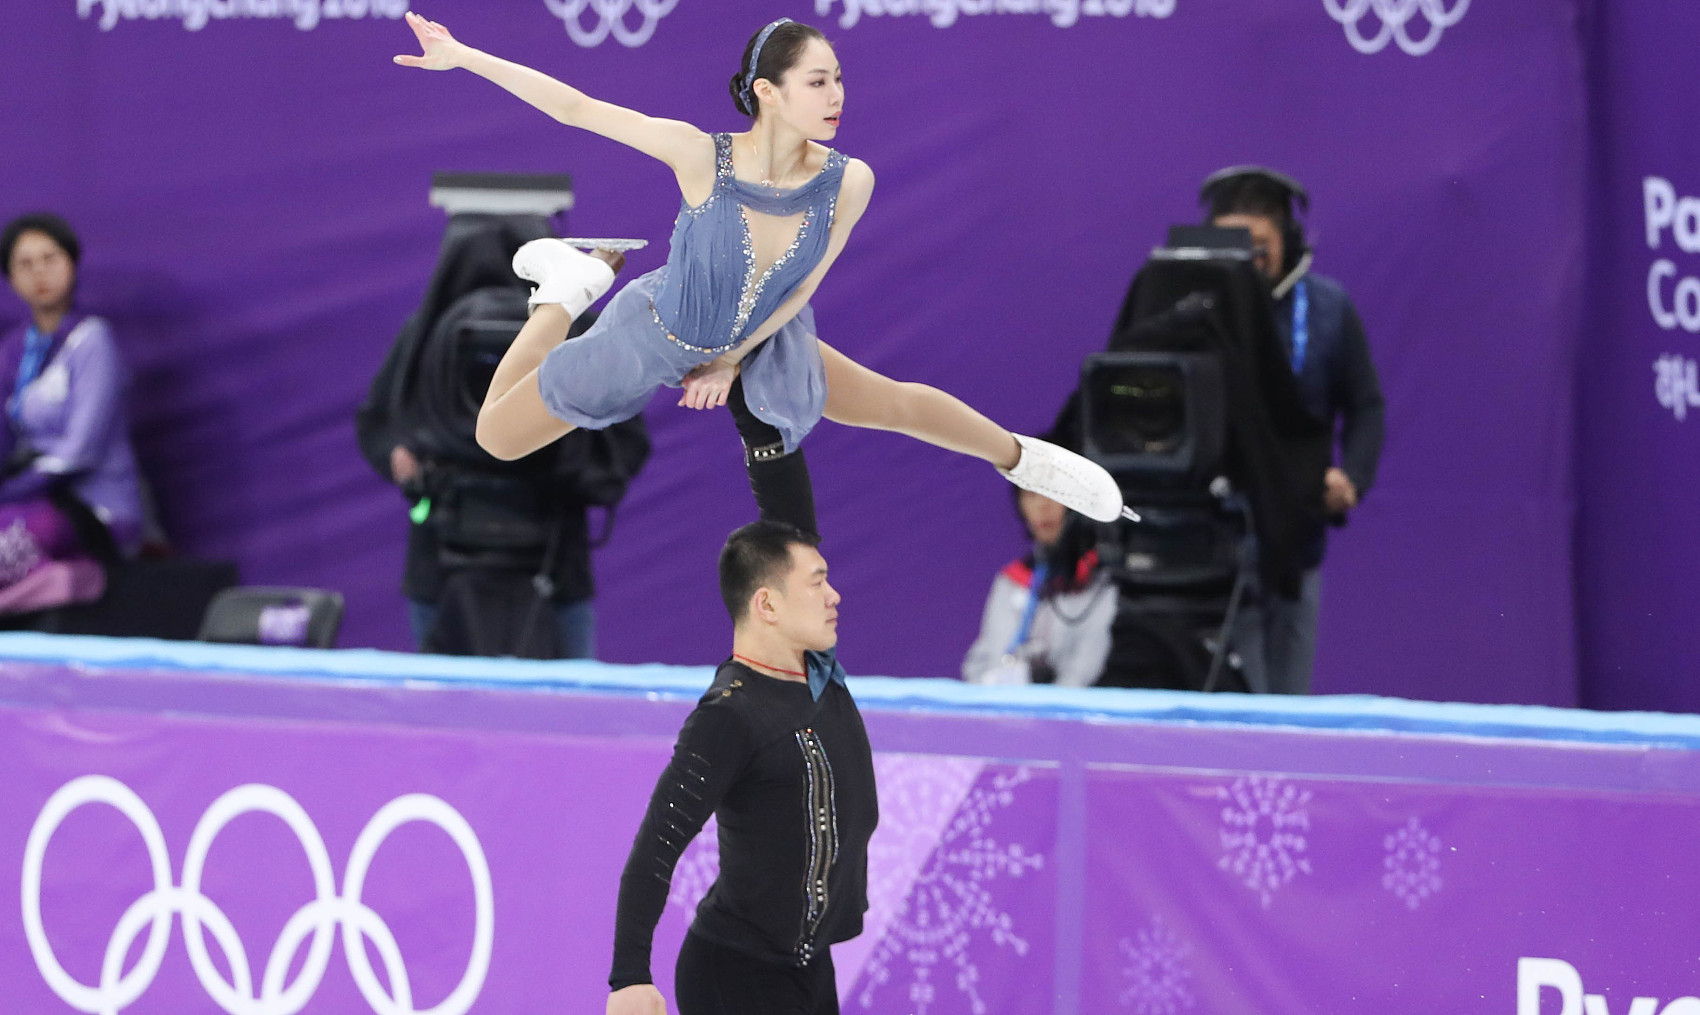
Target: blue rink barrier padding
(1340, 713)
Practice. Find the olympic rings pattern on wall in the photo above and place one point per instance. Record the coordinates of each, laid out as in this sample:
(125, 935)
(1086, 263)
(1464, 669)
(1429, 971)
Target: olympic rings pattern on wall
(319, 918)
(1395, 16)
(610, 19)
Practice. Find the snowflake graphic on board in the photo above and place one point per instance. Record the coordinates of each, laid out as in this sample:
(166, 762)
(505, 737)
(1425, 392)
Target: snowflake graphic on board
(1157, 971)
(1413, 863)
(1264, 821)
(951, 905)
(918, 794)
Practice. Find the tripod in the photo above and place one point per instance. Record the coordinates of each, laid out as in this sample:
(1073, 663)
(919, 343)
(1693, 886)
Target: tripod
(1181, 574)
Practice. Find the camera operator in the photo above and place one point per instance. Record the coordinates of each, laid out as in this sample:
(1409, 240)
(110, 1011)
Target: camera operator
(1330, 358)
(498, 555)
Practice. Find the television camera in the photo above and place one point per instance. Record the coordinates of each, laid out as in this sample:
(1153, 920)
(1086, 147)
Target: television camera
(1195, 412)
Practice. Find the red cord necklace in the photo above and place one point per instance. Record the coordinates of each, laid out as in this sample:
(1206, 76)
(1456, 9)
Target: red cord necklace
(776, 669)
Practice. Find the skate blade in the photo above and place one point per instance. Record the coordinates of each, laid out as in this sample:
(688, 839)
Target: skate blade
(604, 243)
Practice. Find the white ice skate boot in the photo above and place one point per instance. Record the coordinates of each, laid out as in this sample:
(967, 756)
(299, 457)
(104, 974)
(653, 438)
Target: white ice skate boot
(1066, 478)
(563, 275)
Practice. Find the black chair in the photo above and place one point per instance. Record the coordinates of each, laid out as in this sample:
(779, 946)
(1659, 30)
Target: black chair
(145, 598)
(274, 615)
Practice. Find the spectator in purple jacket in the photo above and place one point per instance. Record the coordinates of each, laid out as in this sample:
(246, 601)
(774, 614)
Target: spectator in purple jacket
(68, 479)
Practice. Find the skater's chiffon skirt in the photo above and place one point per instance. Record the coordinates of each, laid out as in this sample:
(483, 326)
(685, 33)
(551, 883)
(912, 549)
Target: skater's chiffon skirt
(610, 372)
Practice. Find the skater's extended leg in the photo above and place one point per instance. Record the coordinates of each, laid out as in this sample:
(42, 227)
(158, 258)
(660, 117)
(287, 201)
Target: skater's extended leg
(858, 396)
(513, 421)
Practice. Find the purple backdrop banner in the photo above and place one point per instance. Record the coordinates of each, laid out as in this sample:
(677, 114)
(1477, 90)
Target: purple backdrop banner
(184, 833)
(251, 178)
(1637, 384)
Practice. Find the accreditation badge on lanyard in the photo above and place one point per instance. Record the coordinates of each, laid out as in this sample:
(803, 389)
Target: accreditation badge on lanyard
(1301, 323)
(1013, 668)
(29, 368)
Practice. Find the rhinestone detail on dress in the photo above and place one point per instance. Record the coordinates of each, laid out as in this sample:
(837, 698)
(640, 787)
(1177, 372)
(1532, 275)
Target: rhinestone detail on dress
(675, 339)
(753, 286)
(723, 156)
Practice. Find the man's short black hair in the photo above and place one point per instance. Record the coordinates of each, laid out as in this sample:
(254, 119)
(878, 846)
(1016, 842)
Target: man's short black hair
(1252, 196)
(1253, 190)
(756, 555)
(38, 222)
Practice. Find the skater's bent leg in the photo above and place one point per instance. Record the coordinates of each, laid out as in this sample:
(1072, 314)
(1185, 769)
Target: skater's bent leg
(513, 421)
(779, 481)
(857, 396)
(546, 328)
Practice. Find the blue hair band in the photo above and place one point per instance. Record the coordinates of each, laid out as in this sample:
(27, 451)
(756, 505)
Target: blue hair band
(747, 92)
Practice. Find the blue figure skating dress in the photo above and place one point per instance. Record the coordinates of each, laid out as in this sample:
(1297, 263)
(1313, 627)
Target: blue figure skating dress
(704, 301)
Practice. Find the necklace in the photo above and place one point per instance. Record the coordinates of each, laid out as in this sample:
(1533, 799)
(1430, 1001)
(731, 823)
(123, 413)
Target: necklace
(757, 152)
(776, 669)
(766, 181)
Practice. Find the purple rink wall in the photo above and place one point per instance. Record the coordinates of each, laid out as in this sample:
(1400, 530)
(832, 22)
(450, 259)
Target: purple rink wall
(192, 828)
(250, 178)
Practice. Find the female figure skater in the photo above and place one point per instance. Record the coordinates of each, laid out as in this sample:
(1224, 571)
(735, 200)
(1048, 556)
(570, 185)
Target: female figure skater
(765, 214)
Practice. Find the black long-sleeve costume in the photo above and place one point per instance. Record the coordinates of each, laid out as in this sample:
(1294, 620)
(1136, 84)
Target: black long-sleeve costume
(779, 481)
(792, 781)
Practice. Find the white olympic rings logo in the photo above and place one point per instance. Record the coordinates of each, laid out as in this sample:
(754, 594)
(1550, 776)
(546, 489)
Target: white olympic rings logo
(154, 910)
(610, 19)
(1395, 15)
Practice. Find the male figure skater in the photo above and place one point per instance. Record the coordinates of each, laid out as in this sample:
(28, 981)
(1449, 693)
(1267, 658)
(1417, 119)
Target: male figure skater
(777, 750)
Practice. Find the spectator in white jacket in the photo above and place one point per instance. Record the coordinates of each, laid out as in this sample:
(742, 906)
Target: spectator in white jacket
(1047, 619)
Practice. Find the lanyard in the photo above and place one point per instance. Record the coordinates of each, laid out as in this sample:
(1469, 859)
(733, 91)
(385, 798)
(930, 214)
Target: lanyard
(1036, 590)
(1301, 323)
(35, 351)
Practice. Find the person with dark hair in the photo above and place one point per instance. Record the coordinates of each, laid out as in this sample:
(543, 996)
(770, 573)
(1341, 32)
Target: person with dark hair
(1330, 358)
(1047, 618)
(777, 751)
(70, 490)
(48, 225)
(766, 212)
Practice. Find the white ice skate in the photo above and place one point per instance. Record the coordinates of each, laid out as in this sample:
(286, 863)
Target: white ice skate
(563, 274)
(1066, 478)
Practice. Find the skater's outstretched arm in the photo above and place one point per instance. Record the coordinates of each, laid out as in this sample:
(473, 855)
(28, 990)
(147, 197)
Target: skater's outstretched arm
(689, 151)
(708, 385)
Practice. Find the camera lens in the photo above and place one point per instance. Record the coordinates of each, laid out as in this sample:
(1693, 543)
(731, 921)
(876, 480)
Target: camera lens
(1140, 409)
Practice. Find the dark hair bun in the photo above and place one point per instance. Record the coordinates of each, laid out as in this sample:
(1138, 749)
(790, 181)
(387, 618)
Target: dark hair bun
(738, 95)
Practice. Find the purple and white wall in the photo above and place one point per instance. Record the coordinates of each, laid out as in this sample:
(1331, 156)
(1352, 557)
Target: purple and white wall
(250, 179)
